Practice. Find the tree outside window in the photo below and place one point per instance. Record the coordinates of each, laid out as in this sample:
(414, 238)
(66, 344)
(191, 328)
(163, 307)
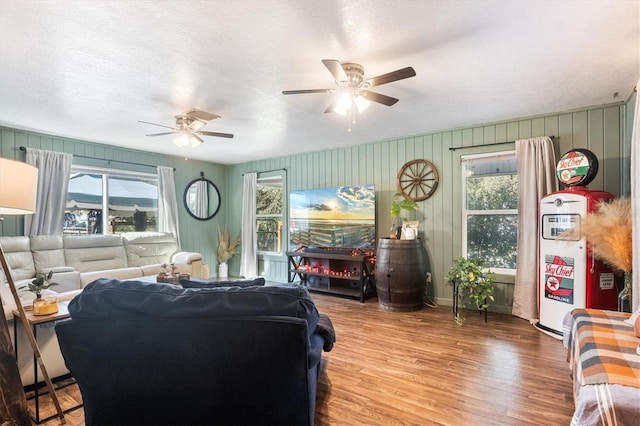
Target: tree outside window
(269, 217)
(490, 209)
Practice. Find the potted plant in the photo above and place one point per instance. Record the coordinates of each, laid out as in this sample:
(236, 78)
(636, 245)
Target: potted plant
(227, 248)
(469, 277)
(42, 306)
(398, 204)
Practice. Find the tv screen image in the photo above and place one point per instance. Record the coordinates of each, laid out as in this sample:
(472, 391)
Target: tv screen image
(343, 216)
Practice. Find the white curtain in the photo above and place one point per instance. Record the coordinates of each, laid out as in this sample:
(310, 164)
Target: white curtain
(54, 171)
(249, 252)
(536, 162)
(635, 203)
(202, 199)
(167, 202)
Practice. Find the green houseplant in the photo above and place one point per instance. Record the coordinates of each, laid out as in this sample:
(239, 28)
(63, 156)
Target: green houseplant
(398, 204)
(41, 282)
(41, 305)
(473, 280)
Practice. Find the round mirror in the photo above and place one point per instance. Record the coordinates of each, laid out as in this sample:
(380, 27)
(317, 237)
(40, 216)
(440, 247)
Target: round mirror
(202, 198)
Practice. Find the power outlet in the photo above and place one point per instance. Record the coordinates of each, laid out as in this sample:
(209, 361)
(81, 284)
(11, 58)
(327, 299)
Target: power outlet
(429, 277)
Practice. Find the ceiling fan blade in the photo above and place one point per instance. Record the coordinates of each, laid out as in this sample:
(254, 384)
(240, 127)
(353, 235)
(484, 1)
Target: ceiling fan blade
(162, 134)
(389, 77)
(331, 108)
(300, 92)
(154, 124)
(220, 135)
(378, 97)
(335, 68)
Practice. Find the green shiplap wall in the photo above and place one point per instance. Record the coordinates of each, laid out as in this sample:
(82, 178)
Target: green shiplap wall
(195, 235)
(599, 129)
(606, 130)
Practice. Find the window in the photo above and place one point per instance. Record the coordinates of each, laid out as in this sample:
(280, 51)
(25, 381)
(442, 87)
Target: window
(103, 201)
(490, 209)
(269, 218)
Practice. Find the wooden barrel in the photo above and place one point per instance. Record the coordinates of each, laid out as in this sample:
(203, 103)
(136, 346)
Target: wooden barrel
(400, 274)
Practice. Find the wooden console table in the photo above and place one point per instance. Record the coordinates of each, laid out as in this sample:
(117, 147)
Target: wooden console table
(337, 272)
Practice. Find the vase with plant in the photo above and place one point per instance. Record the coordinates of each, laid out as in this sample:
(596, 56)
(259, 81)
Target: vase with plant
(398, 204)
(608, 232)
(227, 248)
(471, 282)
(42, 306)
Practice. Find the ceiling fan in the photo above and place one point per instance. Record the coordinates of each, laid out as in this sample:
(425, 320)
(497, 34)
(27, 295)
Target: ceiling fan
(349, 78)
(187, 128)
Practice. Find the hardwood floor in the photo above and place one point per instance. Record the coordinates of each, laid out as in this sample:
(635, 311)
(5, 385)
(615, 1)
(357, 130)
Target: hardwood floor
(419, 368)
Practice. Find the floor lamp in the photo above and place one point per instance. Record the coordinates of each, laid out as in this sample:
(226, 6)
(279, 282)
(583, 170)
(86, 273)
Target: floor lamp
(18, 186)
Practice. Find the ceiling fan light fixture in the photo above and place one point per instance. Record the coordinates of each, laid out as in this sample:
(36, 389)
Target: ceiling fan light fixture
(361, 103)
(182, 140)
(343, 104)
(195, 140)
(187, 127)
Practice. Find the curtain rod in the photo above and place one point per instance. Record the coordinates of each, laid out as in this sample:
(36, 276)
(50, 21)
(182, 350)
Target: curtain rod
(22, 148)
(454, 148)
(267, 171)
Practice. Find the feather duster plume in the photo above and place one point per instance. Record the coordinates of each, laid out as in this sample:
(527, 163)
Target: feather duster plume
(608, 231)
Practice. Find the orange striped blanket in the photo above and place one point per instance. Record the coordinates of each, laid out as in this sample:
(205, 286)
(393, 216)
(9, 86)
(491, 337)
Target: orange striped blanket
(601, 348)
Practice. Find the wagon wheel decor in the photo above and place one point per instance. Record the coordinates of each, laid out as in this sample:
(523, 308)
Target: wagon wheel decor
(417, 180)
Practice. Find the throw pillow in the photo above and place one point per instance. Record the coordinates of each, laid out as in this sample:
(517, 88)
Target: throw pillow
(230, 283)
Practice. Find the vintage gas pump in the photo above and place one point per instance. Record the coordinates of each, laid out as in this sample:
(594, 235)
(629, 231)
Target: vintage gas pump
(569, 276)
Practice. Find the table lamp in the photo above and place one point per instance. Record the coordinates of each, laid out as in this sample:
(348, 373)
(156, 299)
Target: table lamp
(18, 187)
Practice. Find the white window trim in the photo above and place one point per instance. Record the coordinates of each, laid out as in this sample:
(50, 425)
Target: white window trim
(265, 179)
(466, 213)
(77, 169)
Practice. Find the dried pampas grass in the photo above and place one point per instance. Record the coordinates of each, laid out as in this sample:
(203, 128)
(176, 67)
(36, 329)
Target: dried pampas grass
(608, 231)
(227, 248)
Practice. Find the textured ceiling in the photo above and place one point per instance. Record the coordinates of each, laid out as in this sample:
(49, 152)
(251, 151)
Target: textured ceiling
(90, 70)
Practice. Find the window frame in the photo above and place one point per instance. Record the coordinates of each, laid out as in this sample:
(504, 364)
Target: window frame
(107, 173)
(465, 159)
(266, 176)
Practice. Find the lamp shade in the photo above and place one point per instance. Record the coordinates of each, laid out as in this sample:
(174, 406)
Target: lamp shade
(18, 183)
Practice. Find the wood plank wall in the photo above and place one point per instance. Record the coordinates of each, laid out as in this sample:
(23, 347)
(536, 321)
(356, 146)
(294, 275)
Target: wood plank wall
(599, 129)
(195, 235)
(606, 130)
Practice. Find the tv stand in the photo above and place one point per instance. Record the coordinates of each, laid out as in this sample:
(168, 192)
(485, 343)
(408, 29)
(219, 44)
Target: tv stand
(340, 271)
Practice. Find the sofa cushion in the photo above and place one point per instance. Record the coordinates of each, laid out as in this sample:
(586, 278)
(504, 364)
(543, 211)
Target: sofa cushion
(17, 251)
(229, 283)
(47, 252)
(94, 252)
(112, 298)
(145, 248)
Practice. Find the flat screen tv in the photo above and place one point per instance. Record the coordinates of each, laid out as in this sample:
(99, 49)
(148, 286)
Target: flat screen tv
(344, 216)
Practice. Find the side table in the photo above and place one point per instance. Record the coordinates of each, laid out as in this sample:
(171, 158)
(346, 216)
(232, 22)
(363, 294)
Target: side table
(34, 321)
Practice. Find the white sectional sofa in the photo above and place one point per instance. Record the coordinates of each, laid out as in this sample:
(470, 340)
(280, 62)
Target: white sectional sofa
(77, 261)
